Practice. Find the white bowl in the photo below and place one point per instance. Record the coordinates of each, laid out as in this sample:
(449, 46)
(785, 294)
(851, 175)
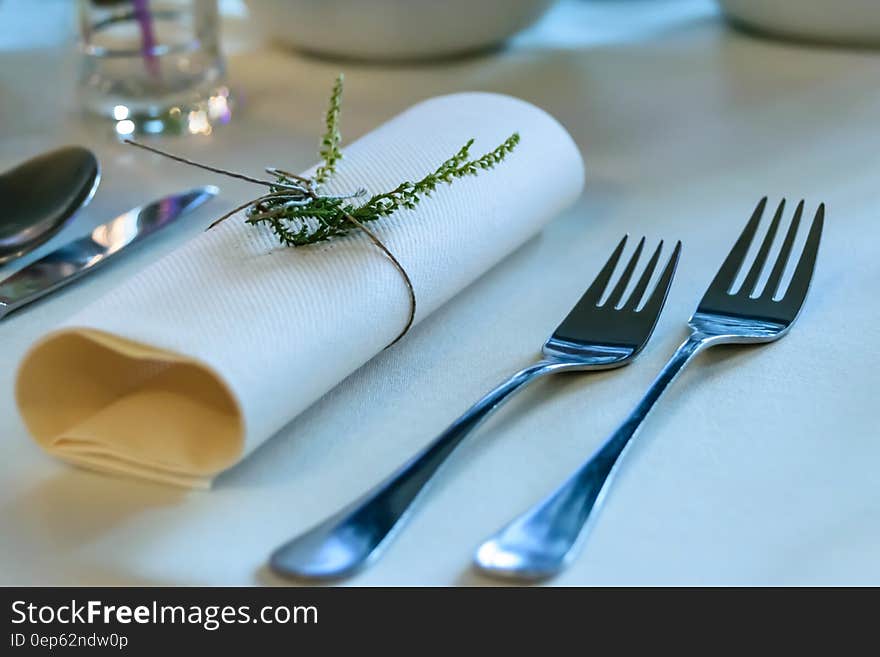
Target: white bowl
(394, 29)
(853, 22)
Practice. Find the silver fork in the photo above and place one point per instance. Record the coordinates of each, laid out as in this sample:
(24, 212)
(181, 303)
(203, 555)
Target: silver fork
(544, 540)
(591, 337)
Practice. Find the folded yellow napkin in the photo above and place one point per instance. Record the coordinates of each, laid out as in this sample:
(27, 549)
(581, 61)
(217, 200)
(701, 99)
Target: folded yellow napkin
(188, 366)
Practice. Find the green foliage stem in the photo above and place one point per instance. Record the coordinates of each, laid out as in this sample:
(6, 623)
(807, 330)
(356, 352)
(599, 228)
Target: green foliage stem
(307, 217)
(330, 151)
(326, 217)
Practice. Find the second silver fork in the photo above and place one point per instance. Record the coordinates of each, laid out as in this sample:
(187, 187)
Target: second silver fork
(592, 336)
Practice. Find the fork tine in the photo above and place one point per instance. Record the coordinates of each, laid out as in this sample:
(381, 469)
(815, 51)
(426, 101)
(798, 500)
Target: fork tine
(800, 281)
(655, 302)
(782, 259)
(639, 290)
(594, 292)
(751, 280)
(730, 267)
(619, 289)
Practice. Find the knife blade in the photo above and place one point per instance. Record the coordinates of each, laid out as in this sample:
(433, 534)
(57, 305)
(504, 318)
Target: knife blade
(85, 254)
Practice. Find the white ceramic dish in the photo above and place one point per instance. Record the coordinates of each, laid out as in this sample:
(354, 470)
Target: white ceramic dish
(394, 29)
(851, 22)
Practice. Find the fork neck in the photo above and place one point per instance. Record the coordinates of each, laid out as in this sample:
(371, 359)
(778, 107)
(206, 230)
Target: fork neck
(695, 343)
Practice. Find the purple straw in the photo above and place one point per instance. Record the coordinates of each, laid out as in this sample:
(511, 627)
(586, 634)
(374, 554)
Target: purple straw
(148, 38)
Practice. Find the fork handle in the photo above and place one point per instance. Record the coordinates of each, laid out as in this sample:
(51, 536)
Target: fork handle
(354, 536)
(543, 541)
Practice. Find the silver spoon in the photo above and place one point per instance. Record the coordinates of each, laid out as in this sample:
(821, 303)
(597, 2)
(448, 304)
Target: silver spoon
(39, 196)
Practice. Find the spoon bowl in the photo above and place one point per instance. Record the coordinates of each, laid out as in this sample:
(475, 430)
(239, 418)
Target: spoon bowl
(41, 195)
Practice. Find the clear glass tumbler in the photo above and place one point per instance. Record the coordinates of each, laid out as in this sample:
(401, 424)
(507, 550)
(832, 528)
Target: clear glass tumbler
(153, 66)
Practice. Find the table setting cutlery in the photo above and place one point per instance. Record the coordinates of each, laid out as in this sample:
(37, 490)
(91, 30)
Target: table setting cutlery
(596, 335)
(42, 195)
(545, 539)
(82, 256)
(192, 391)
(303, 392)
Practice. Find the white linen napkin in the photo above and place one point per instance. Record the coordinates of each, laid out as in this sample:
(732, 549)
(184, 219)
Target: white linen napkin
(188, 366)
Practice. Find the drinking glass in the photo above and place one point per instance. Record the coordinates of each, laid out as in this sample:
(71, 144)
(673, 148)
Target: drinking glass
(153, 66)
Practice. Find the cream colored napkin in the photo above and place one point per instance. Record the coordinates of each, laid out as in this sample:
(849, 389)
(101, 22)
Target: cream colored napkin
(187, 367)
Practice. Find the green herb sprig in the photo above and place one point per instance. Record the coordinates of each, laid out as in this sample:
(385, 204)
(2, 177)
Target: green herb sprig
(299, 215)
(329, 151)
(326, 217)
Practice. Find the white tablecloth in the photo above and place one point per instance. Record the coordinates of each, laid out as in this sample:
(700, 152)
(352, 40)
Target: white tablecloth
(759, 467)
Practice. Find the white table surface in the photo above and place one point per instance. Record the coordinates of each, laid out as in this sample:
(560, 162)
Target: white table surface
(761, 466)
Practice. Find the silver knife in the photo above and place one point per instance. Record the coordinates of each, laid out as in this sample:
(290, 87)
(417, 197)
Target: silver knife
(83, 255)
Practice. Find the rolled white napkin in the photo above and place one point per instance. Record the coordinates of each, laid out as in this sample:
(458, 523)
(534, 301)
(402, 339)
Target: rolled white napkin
(191, 364)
